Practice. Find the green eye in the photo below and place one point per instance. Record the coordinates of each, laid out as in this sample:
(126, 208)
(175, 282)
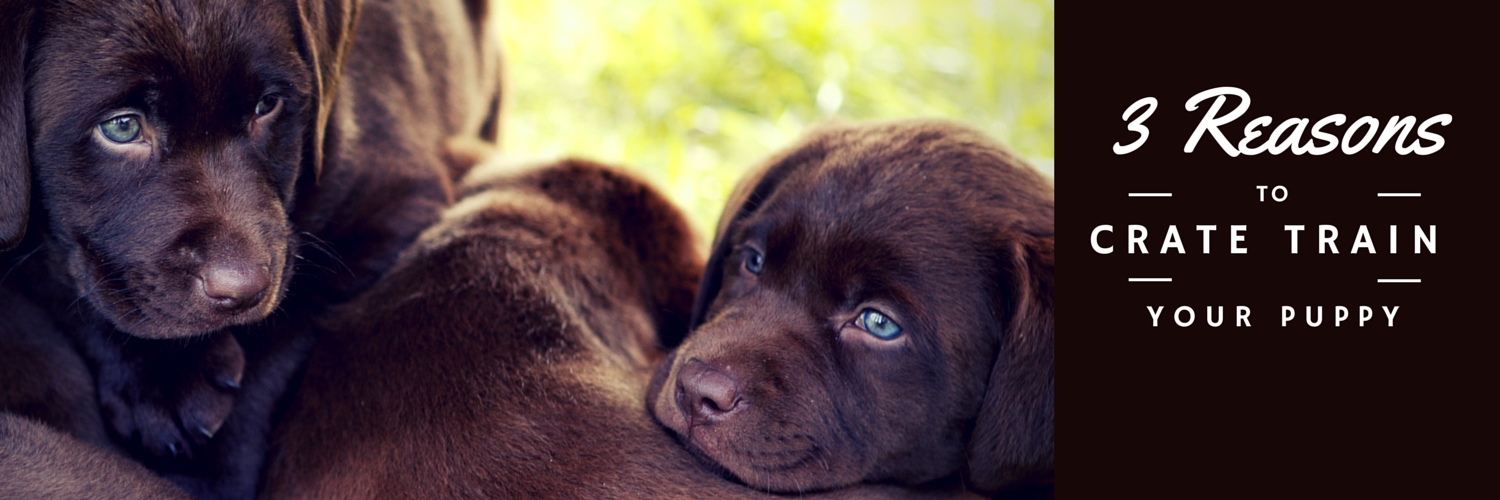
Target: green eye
(121, 129)
(879, 325)
(266, 105)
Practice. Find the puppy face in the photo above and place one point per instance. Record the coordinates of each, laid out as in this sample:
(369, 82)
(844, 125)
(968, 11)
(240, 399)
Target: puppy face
(855, 308)
(167, 141)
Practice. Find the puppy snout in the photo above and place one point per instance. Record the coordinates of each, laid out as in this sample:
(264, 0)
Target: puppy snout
(234, 286)
(705, 394)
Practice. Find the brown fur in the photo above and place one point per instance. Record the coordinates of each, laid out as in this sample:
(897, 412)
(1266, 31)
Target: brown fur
(38, 462)
(44, 377)
(321, 193)
(506, 355)
(927, 222)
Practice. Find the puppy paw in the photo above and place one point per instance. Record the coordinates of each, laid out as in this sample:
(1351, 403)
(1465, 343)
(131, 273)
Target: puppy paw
(169, 398)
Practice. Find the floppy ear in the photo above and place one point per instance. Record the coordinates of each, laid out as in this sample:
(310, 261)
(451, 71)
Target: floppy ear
(1012, 444)
(15, 162)
(753, 190)
(743, 201)
(327, 31)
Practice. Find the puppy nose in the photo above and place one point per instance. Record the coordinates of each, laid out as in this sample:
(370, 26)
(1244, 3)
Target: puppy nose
(705, 394)
(233, 287)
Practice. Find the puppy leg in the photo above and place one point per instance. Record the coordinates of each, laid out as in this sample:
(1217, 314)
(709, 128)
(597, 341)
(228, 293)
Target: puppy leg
(167, 396)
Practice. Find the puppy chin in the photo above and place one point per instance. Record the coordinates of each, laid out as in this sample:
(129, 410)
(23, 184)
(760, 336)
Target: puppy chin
(160, 327)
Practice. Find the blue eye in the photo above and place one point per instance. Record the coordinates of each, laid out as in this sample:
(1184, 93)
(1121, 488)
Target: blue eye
(121, 129)
(879, 325)
(754, 261)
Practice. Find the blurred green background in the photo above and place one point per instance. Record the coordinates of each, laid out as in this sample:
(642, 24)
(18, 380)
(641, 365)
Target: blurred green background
(690, 93)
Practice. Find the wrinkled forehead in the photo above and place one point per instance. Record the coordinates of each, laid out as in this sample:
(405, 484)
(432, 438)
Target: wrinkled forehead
(860, 196)
(863, 227)
(195, 45)
(169, 31)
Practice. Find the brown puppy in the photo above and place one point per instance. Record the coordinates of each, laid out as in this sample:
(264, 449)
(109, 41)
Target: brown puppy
(507, 354)
(195, 166)
(877, 308)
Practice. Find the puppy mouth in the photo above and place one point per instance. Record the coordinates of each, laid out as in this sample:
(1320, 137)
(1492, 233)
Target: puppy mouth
(782, 463)
(753, 467)
(770, 452)
(146, 304)
(776, 460)
(789, 470)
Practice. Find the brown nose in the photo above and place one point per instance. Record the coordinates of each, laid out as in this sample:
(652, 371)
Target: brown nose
(705, 394)
(233, 287)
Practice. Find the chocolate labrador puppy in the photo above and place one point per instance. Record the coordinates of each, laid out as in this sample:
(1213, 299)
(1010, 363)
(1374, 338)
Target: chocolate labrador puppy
(207, 176)
(877, 307)
(507, 355)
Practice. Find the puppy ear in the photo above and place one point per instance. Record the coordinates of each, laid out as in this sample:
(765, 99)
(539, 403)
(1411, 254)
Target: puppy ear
(15, 164)
(327, 31)
(752, 191)
(1012, 444)
(743, 201)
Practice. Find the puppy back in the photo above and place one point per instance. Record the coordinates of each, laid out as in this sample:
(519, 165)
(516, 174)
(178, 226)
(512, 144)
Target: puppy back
(521, 321)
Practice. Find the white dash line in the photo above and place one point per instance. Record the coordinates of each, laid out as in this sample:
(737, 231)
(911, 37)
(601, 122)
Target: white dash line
(1150, 195)
(1398, 281)
(1398, 195)
(1150, 280)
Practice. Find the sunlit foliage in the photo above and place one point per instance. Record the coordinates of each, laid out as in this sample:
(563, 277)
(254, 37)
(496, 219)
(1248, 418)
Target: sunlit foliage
(693, 92)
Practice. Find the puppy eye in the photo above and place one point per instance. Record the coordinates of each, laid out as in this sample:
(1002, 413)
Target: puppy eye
(879, 325)
(267, 104)
(754, 261)
(121, 129)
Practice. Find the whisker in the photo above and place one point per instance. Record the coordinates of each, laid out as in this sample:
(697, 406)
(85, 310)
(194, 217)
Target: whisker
(818, 450)
(23, 258)
(314, 264)
(121, 301)
(323, 246)
(138, 322)
(81, 296)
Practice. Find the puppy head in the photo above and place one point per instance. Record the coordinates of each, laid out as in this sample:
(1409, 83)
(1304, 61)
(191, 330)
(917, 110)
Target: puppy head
(877, 308)
(166, 140)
